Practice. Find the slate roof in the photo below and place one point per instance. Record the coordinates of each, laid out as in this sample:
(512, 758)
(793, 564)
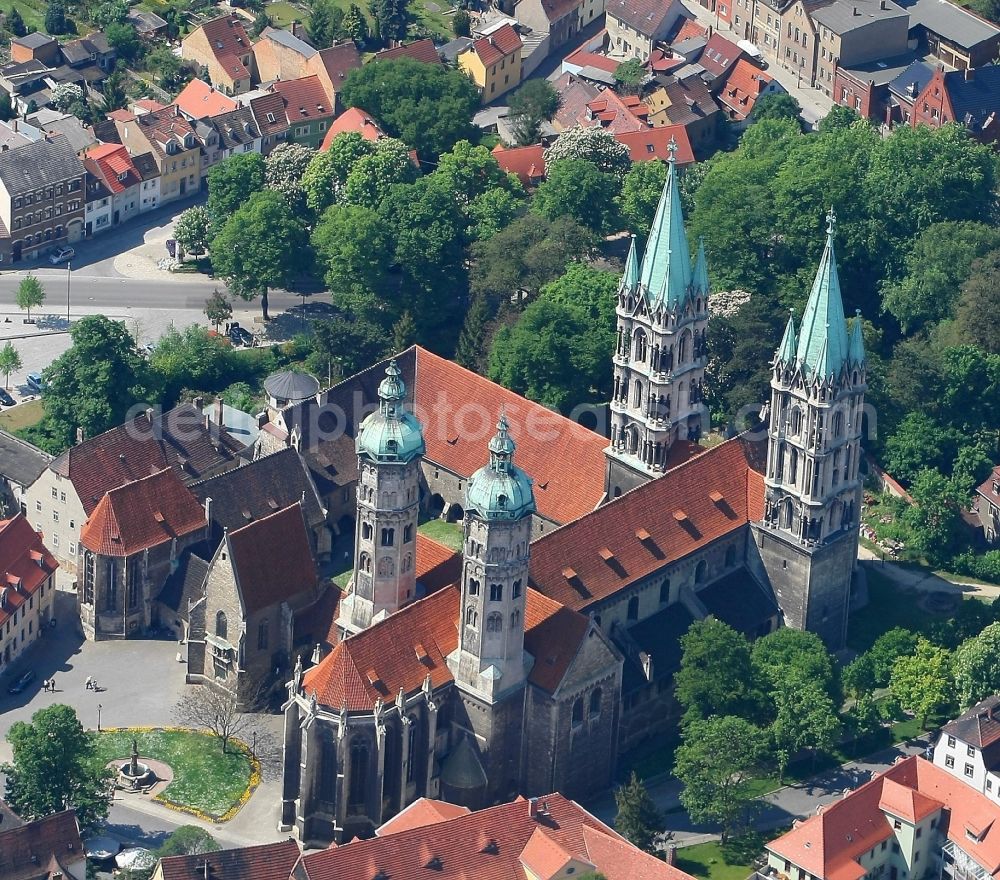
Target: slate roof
(975, 97)
(42, 848)
(521, 838)
(236, 128)
(259, 488)
(270, 861)
(269, 111)
(912, 81)
(304, 99)
(844, 16)
(20, 462)
(39, 164)
(273, 559)
(141, 515)
(453, 48)
(739, 600)
(687, 508)
(145, 22)
(288, 40)
(146, 165)
(951, 21)
(185, 584)
(420, 50)
(73, 130)
(979, 726)
(689, 100)
(25, 563)
(177, 439)
(658, 636)
(502, 43)
(644, 16)
(34, 40)
(198, 100)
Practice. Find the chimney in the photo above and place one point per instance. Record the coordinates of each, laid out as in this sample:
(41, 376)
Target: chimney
(198, 403)
(532, 808)
(80, 436)
(969, 74)
(149, 414)
(208, 508)
(671, 858)
(710, 29)
(882, 5)
(220, 412)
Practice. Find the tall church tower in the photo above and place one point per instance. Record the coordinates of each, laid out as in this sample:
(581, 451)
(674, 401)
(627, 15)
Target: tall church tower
(808, 540)
(389, 446)
(660, 354)
(489, 661)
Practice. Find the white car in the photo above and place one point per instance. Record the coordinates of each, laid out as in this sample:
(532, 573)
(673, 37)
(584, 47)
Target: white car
(61, 255)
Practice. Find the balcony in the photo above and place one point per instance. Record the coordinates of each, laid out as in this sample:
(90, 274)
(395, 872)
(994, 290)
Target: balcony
(959, 865)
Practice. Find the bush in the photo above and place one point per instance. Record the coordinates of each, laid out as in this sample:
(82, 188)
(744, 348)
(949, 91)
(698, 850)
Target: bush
(984, 566)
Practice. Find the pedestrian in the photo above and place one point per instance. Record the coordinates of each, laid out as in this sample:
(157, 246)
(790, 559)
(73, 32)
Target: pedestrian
(52, 685)
(90, 683)
(94, 685)
(45, 685)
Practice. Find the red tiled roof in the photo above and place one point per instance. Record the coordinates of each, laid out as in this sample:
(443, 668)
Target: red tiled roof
(689, 28)
(492, 844)
(574, 95)
(304, 98)
(437, 566)
(458, 410)
(149, 105)
(742, 87)
(651, 143)
(583, 57)
(228, 41)
(502, 43)
(113, 160)
(986, 487)
(421, 50)
(272, 559)
(353, 119)
(122, 115)
(422, 812)
(556, 10)
(271, 861)
(400, 651)
(42, 848)
(828, 845)
(661, 61)
(616, 114)
(25, 564)
(338, 61)
(141, 515)
(528, 163)
(199, 100)
(566, 566)
(719, 55)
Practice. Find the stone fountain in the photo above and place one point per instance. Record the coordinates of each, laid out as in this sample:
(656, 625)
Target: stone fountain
(133, 774)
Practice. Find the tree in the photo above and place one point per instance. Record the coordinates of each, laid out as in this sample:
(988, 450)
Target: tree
(640, 194)
(793, 655)
(922, 682)
(977, 666)
(189, 358)
(283, 170)
(715, 675)
(404, 332)
(372, 177)
(838, 117)
(595, 145)
(65, 95)
(169, 71)
(321, 25)
(218, 308)
(355, 24)
(805, 717)
(532, 104)
(320, 182)
(192, 230)
(188, 840)
(113, 91)
(54, 768)
(350, 345)
(7, 111)
(887, 649)
(214, 710)
(939, 261)
(775, 106)
(55, 18)
(10, 361)
(935, 517)
(30, 294)
(15, 23)
(231, 183)
(110, 12)
(978, 311)
(427, 106)
(715, 764)
(858, 677)
(261, 23)
(461, 24)
(125, 40)
(638, 820)
(345, 150)
(629, 76)
(260, 246)
(471, 345)
(392, 18)
(575, 188)
(919, 442)
(470, 171)
(491, 211)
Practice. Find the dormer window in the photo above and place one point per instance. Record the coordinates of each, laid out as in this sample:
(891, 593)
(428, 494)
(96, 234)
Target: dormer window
(270, 117)
(188, 141)
(122, 176)
(171, 148)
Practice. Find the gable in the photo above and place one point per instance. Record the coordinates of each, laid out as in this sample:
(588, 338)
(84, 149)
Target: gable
(594, 657)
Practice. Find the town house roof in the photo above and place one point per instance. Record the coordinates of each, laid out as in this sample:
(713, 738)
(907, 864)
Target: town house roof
(199, 100)
(745, 83)
(115, 166)
(20, 462)
(844, 16)
(502, 43)
(719, 55)
(43, 848)
(653, 143)
(954, 23)
(419, 50)
(353, 119)
(39, 164)
(304, 99)
(236, 128)
(528, 163)
(270, 861)
(337, 61)
(229, 43)
(269, 111)
(25, 564)
(644, 16)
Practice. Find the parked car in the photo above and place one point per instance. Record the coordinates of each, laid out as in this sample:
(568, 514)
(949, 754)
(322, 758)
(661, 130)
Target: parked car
(61, 255)
(6, 399)
(35, 383)
(239, 336)
(22, 682)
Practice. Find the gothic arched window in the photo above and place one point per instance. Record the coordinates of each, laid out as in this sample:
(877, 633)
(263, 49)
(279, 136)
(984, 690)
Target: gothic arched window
(633, 608)
(359, 772)
(494, 622)
(473, 587)
(796, 421)
(665, 592)
(838, 424)
(595, 702)
(221, 625)
(471, 617)
(578, 712)
(515, 618)
(637, 397)
(517, 589)
(365, 563)
(639, 347)
(699, 571)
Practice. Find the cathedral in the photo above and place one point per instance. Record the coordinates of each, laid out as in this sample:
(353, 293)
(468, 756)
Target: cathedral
(554, 649)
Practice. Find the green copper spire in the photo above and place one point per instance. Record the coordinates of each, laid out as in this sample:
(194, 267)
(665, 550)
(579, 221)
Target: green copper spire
(666, 263)
(630, 277)
(824, 328)
(390, 434)
(786, 351)
(500, 490)
(857, 353)
(701, 269)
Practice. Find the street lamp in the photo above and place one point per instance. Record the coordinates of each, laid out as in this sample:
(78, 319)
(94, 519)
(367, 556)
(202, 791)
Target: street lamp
(69, 273)
(99, 707)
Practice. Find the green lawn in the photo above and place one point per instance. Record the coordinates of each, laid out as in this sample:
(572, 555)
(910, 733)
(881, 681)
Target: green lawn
(205, 779)
(24, 415)
(282, 14)
(705, 860)
(888, 607)
(449, 534)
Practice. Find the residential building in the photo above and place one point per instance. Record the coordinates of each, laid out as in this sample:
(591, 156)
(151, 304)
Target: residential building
(280, 55)
(717, 59)
(27, 591)
(560, 19)
(970, 97)
(129, 545)
(546, 838)
(855, 31)
(235, 132)
(952, 33)
(616, 114)
(91, 49)
(588, 10)
(112, 164)
(744, 85)
(223, 47)
(149, 191)
(20, 465)
(988, 506)
(148, 25)
(55, 123)
(760, 22)
(42, 193)
(307, 109)
(198, 100)
(71, 486)
(172, 140)
(356, 120)
(636, 26)
(16, 133)
(49, 847)
(969, 748)
(913, 820)
(260, 577)
(268, 110)
(419, 50)
(493, 63)
(686, 101)
(270, 861)
(660, 143)
(528, 163)
(35, 46)
(574, 96)
(866, 88)
(98, 213)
